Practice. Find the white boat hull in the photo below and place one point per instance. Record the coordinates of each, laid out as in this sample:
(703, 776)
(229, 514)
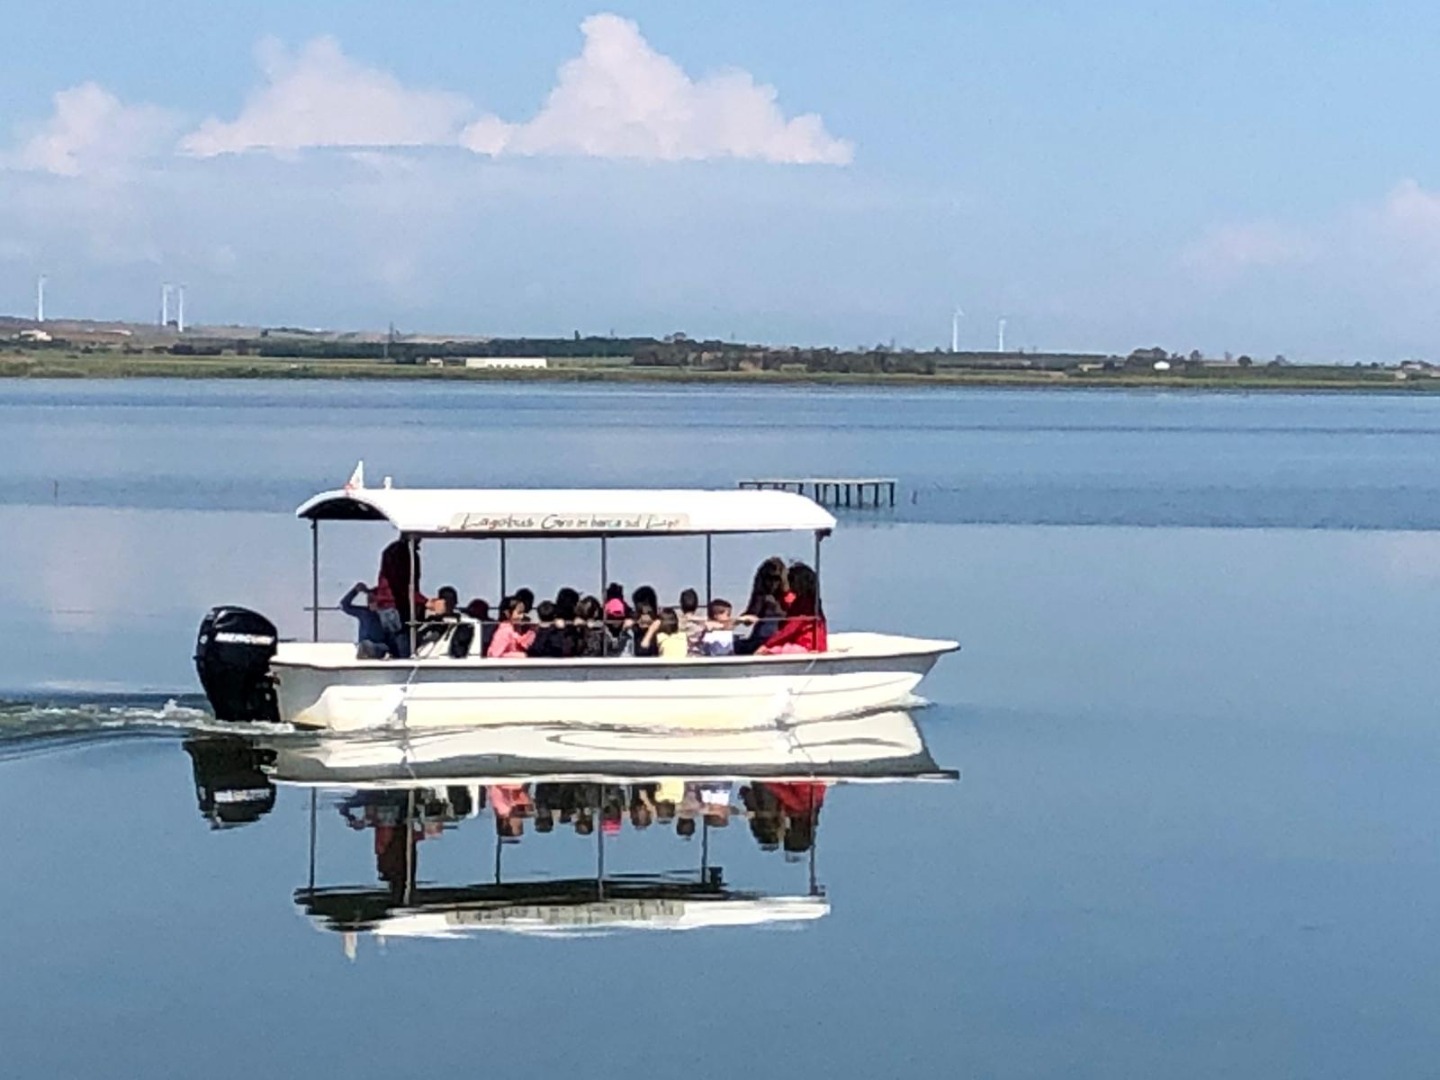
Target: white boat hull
(323, 686)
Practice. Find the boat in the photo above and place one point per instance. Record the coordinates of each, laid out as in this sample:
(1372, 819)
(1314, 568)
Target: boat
(250, 675)
(405, 791)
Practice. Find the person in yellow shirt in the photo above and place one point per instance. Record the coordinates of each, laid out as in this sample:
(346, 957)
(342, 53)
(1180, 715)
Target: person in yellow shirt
(670, 641)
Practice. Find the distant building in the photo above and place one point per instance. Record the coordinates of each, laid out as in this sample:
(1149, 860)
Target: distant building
(34, 335)
(506, 362)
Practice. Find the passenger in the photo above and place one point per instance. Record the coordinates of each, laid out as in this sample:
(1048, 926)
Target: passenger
(551, 640)
(511, 804)
(798, 798)
(669, 794)
(613, 804)
(511, 638)
(441, 617)
(692, 621)
(644, 596)
(446, 603)
(715, 802)
(616, 591)
(588, 629)
(642, 805)
(619, 639)
(565, 603)
(804, 628)
(766, 609)
(371, 640)
(666, 637)
(719, 636)
(767, 823)
(397, 594)
(479, 610)
(646, 614)
(526, 597)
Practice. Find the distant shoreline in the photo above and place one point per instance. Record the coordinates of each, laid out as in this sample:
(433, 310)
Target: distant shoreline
(110, 366)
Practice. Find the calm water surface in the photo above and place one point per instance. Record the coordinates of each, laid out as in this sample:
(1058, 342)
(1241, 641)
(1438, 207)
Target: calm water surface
(1194, 826)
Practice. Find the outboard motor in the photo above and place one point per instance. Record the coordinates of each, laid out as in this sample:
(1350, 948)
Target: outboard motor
(232, 656)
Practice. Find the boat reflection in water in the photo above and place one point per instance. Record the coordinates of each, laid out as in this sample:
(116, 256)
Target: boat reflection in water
(407, 790)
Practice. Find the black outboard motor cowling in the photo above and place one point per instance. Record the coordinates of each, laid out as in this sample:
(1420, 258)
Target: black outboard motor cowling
(232, 657)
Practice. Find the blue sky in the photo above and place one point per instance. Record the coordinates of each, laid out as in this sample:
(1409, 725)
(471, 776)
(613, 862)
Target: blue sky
(1242, 177)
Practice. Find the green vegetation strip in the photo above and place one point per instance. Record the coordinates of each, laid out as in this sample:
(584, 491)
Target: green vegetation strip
(53, 365)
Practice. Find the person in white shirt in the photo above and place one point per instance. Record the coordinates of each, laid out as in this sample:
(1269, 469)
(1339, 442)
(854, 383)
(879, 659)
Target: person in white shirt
(719, 636)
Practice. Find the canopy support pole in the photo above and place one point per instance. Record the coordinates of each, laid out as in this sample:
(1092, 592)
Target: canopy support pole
(709, 569)
(504, 590)
(410, 848)
(312, 842)
(600, 848)
(819, 536)
(314, 579)
(414, 588)
(604, 565)
(499, 846)
(704, 848)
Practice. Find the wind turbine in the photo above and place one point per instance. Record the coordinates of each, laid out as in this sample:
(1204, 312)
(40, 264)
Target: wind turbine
(955, 330)
(1001, 335)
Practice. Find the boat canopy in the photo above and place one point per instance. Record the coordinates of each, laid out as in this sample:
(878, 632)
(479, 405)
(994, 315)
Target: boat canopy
(574, 513)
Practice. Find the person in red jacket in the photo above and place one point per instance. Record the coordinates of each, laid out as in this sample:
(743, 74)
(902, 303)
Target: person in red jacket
(397, 595)
(804, 627)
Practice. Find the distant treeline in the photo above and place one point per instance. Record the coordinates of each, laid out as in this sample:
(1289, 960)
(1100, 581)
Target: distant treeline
(679, 353)
(409, 352)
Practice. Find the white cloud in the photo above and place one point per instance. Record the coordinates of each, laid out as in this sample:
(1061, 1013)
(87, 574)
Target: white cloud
(93, 131)
(1230, 250)
(621, 99)
(1407, 220)
(320, 97)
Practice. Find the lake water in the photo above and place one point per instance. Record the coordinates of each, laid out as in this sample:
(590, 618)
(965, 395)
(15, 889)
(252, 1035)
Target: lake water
(1193, 831)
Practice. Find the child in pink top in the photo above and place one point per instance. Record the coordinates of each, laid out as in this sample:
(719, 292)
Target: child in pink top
(510, 639)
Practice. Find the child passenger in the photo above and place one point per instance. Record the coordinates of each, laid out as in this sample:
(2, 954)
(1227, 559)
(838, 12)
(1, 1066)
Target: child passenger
(719, 636)
(588, 631)
(669, 641)
(551, 638)
(692, 620)
(619, 639)
(511, 640)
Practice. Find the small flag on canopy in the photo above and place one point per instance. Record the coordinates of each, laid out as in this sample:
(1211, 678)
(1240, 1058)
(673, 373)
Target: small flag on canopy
(357, 478)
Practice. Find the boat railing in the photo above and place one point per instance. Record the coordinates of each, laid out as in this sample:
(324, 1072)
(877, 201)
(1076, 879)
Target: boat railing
(448, 624)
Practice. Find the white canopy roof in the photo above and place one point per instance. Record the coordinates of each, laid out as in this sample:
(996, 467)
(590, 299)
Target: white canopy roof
(593, 512)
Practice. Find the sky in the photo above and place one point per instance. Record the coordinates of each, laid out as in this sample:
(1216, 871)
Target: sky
(1230, 177)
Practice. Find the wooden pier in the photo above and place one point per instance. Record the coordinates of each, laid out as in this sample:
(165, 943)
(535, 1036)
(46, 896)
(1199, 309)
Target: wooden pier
(841, 491)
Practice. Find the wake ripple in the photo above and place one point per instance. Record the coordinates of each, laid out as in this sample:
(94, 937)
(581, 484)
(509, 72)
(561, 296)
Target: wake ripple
(30, 726)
